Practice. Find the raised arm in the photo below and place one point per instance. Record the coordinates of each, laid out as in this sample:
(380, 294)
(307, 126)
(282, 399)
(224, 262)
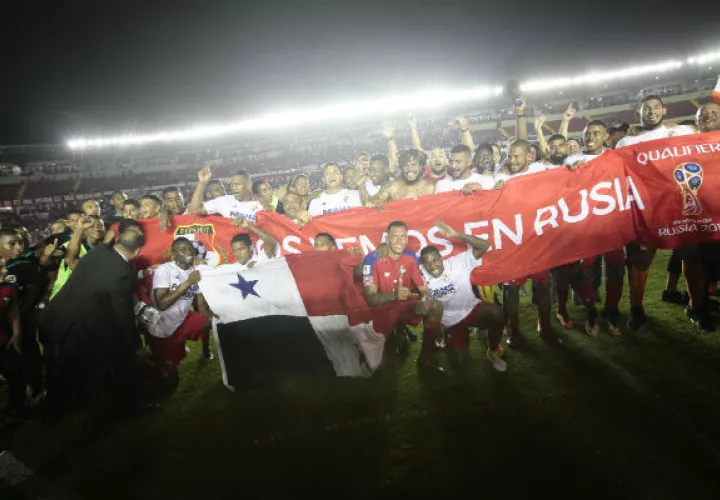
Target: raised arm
(461, 123)
(73, 249)
(269, 240)
(196, 202)
(521, 120)
(565, 124)
(479, 245)
(388, 130)
(539, 123)
(416, 142)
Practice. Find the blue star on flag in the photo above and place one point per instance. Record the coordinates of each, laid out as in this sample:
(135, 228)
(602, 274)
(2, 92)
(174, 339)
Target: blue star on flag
(245, 286)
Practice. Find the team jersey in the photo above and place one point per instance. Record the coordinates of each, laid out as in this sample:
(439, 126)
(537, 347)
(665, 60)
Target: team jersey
(385, 274)
(169, 275)
(583, 157)
(450, 184)
(453, 287)
(331, 203)
(533, 168)
(651, 135)
(372, 188)
(229, 206)
(258, 258)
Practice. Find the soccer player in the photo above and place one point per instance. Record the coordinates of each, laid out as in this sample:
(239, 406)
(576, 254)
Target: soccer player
(518, 162)
(150, 206)
(264, 194)
(335, 198)
(353, 178)
(362, 163)
(243, 249)
(449, 282)
(117, 205)
(389, 279)
(651, 112)
(574, 146)
(410, 185)
(294, 209)
(462, 177)
(484, 160)
(214, 189)
(324, 242)
(595, 135)
(437, 165)
(238, 204)
(175, 288)
(174, 201)
(131, 209)
(379, 174)
(616, 132)
(10, 345)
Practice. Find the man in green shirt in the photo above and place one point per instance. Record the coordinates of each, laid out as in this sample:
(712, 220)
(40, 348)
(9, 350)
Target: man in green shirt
(89, 233)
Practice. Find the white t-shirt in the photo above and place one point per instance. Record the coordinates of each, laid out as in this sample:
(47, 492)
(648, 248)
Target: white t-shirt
(372, 188)
(651, 135)
(583, 157)
(170, 276)
(451, 184)
(229, 206)
(453, 287)
(330, 203)
(533, 168)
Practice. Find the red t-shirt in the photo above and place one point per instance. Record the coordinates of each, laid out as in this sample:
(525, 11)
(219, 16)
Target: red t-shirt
(385, 273)
(7, 299)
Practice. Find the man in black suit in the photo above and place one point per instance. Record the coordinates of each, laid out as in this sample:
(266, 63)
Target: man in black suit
(91, 324)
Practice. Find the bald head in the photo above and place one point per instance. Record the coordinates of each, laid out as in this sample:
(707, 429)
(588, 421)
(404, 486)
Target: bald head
(708, 117)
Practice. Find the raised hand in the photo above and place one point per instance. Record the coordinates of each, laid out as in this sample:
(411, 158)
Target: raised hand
(50, 248)
(204, 175)
(520, 108)
(569, 112)
(412, 121)
(460, 123)
(446, 229)
(539, 121)
(388, 130)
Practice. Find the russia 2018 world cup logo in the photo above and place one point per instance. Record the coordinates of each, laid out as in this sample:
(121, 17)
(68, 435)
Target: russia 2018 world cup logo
(689, 177)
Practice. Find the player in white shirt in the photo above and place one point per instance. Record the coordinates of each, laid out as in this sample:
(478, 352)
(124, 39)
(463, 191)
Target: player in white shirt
(462, 178)
(173, 201)
(243, 249)
(293, 209)
(449, 282)
(518, 162)
(596, 135)
(335, 198)
(175, 288)
(651, 112)
(379, 175)
(238, 204)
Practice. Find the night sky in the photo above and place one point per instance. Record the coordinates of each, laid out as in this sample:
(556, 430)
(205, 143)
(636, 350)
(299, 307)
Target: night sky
(109, 67)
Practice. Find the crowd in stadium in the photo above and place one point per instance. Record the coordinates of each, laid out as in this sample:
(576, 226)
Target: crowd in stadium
(37, 267)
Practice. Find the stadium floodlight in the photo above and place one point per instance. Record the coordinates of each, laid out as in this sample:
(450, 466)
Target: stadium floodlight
(427, 99)
(431, 98)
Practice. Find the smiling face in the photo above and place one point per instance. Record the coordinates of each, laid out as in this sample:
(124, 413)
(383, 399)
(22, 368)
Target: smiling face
(324, 244)
(130, 211)
(241, 252)
(412, 171)
(292, 204)
(573, 147)
(379, 172)
(148, 208)
(183, 254)
(91, 207)
(174, 202)
(302, 186)
(332, 178)
(95, 232)
(433, 263)
(708, 117)
(518, 158)
(483, 161)
(397, 240)
(595, 137)
(460, 164)
(438, 161)
(214, 190)
(652, 113)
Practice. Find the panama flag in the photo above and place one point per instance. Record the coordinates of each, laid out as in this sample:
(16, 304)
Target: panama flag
(298, 314)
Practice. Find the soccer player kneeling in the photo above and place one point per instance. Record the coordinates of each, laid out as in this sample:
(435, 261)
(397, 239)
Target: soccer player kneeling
(449, 282)
(175, 287)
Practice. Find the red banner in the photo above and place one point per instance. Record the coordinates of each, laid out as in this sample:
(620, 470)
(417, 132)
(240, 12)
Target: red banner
(660, 192)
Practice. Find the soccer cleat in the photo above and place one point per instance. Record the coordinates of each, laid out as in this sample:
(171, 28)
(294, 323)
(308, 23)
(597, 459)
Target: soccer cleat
(591, 325)
(701, 319)
(636, 319)
(208, 355)
(430, 362)
(564, 319)
(612, 320)
(673, 297)
(549, 336)
(496, 360)
(514, 339)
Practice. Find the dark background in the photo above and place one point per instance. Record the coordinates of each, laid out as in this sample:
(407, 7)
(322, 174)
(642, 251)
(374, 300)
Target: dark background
(102, 67)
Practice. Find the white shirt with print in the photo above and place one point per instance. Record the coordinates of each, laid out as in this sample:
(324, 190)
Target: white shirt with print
(650, 135)
(229, 206)
(450, 184)
(453, 287)
(170, 276)
(331, 203)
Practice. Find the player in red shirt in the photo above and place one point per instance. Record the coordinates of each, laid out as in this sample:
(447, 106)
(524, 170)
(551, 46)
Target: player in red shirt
(10, 347)
(390, 279)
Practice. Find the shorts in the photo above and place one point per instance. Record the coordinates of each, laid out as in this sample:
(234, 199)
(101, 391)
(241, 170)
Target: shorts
(395, 313)
(168, 352)
(458, 336)
(541, 278)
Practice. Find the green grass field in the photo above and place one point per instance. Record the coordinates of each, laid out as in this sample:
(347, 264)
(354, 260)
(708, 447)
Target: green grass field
(635, 417)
